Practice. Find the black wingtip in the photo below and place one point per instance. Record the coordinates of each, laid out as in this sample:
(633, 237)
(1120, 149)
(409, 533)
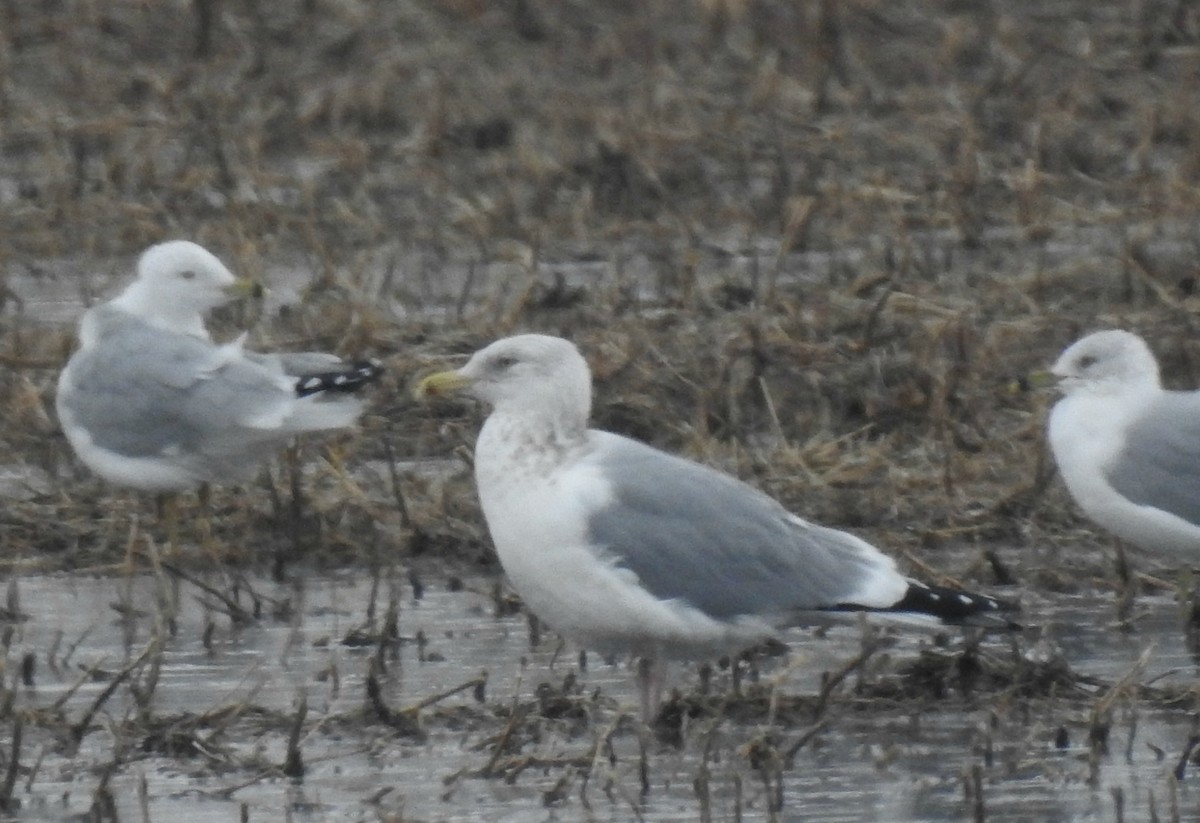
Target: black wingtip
(955, 605)
(349, 379)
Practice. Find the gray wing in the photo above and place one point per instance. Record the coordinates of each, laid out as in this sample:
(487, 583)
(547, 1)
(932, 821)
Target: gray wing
(296, 363)
(694, 534)
(141, 391)
(1159, 464)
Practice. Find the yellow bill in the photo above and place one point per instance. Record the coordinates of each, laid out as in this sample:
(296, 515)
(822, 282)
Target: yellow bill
(441, 383)
(245, 287)
(1033, 382)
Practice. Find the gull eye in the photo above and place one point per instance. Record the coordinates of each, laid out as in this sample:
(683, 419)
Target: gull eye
(187, 274)
(1087, 361)
(504, 361)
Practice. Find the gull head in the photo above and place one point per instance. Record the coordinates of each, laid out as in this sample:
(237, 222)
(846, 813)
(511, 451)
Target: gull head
(532, 375)
(180, 279)
(1106, 362)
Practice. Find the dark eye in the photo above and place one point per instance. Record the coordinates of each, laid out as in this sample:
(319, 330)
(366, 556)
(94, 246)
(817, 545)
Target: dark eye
(1087, 361)
(504, 361)
(187, 275)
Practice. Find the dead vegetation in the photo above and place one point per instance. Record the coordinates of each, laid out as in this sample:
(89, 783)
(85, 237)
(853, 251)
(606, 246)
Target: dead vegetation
(737, 723)
(812, 243)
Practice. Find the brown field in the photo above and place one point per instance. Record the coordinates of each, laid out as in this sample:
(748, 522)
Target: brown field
(813, 243)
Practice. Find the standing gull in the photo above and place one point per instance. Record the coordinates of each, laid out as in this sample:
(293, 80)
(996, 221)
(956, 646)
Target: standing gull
(1128, 450)
(150, 402)
(624, 548)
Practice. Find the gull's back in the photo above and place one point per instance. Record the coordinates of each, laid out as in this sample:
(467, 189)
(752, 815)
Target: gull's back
(1159, 464)
(158, 410)
(697, 535)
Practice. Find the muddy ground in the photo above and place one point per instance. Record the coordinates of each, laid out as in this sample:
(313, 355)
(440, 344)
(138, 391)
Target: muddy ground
(812, 243)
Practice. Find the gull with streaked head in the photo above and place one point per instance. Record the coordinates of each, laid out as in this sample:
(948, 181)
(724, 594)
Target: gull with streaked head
(624, 548)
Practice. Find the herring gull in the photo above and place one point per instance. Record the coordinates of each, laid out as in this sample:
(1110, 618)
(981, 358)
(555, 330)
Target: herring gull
(621, 547)
(1128, 450)
(150, 402)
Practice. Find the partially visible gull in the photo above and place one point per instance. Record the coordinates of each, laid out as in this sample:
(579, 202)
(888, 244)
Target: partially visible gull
(149, 401)
(1128, 450)
(625, 548)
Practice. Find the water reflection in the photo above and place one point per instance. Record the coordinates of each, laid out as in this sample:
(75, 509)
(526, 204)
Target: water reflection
(900, 763)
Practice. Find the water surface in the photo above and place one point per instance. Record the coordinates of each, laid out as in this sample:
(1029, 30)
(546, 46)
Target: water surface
(876, 759)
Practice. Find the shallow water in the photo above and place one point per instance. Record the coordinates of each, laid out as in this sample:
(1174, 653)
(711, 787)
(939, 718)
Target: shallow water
(902, 763)
(55, 291)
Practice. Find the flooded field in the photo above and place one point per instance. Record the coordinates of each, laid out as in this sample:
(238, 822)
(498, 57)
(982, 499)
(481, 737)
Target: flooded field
(199, 727)
(810, 243)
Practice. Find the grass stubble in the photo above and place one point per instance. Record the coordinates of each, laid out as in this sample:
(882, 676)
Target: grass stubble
(810, 243)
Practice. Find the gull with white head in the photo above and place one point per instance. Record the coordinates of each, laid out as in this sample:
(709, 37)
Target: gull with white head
(150, 402)
(1128, 450)
(625, 548)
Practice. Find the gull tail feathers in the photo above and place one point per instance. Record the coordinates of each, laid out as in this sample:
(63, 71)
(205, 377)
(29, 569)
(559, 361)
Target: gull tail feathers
(324, 398)
(947, 605)
(344, 380)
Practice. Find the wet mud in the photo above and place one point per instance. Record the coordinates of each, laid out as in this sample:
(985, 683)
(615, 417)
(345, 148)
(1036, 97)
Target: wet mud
(341, 697)
(815, 244)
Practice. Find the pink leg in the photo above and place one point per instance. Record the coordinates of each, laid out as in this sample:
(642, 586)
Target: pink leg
(651, 672)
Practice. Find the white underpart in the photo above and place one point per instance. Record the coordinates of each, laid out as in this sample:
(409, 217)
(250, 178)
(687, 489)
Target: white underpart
(543, 476)
(546, 484)
(176, 306)
(1109, 380)
(537, 504)
(1087, 433)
